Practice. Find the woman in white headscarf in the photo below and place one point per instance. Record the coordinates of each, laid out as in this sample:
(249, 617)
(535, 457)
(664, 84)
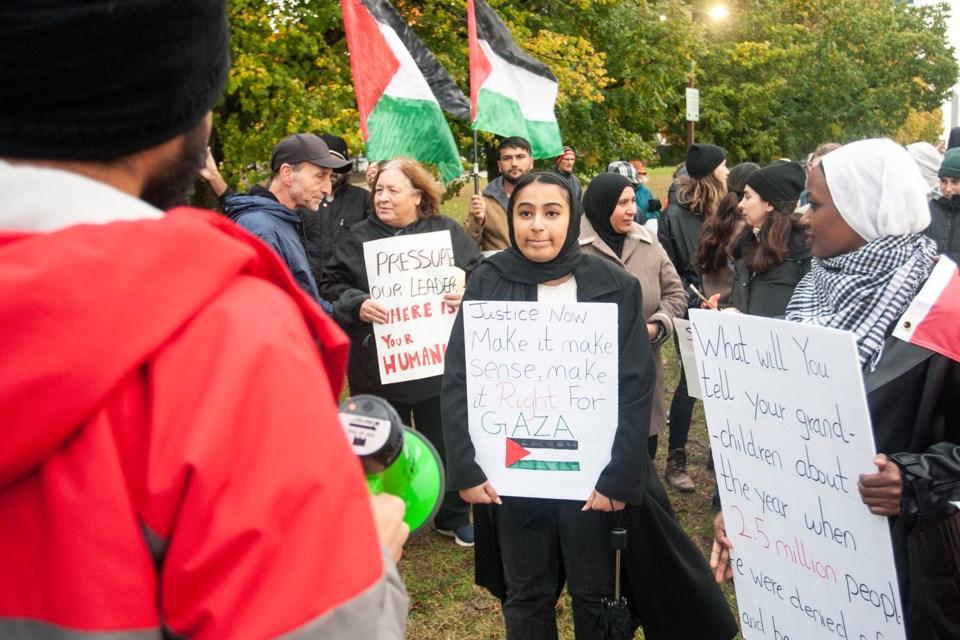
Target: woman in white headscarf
(928, 159)
(868, 207)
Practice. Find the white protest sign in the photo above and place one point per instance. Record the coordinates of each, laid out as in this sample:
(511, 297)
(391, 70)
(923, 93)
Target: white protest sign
(790, 434)
(409, 275)
(542, 383)
(683, 334)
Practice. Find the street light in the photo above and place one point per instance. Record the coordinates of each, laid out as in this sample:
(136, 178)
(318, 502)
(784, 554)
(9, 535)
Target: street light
(716, 13)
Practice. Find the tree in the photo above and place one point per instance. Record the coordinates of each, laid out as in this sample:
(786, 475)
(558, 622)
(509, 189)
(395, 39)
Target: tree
(776, 78)
(795, 73)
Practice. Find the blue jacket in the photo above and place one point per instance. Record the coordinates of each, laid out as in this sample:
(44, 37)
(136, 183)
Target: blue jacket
(261, 214)
(644, 196)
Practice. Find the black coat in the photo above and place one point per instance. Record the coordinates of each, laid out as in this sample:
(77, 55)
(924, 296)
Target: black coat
(944, 226)
(914, 401)
(767, 294)
(345, 284)
(666, 580)
(679, 234)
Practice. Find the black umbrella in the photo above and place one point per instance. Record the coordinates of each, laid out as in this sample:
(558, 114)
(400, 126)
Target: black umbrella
(614, 619)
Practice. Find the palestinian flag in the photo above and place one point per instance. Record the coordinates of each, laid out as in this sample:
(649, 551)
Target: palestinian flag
(551, 457)
(511, 93)
(401, 89)
(931, 319)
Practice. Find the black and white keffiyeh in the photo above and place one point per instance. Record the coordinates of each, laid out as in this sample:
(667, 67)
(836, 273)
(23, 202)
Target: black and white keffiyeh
(865, 291)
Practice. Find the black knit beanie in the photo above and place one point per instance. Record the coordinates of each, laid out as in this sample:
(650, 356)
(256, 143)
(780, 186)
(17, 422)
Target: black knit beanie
(99, 80)
(702, 159)
(779, 182)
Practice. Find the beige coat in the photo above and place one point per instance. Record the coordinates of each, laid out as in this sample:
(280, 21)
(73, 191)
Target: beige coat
(663, 295)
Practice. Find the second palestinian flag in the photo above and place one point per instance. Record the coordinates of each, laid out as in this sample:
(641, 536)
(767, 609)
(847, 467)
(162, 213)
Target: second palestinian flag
(511, 93)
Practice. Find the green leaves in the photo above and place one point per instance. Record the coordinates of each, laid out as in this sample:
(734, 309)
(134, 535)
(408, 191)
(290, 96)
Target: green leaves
(777, 77)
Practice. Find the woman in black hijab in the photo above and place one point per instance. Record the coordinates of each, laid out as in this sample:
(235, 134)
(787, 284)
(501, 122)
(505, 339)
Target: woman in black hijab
(527, 547)
(609, 232)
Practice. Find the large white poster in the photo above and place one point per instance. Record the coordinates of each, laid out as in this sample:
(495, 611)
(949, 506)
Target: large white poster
(790, 435)
(409, 275)
(542, 385)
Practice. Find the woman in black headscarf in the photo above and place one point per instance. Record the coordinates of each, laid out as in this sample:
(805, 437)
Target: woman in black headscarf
(527, 547)
(609, 232)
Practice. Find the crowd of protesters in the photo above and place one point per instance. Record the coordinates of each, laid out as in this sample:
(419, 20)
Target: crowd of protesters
(173, 462)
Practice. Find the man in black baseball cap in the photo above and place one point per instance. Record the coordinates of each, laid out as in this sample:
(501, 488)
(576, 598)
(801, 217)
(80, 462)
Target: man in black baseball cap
(302, 168)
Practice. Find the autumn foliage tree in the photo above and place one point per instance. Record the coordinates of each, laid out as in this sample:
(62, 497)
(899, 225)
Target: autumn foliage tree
(777, 77)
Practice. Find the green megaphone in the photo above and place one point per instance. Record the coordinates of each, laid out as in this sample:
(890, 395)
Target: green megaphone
(396, 459)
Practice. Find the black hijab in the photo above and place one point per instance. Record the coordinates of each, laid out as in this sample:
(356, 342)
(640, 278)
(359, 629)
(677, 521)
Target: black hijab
(599, 201)
(514, 266)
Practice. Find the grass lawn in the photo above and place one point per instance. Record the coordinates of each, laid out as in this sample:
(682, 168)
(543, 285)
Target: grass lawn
(445, 604)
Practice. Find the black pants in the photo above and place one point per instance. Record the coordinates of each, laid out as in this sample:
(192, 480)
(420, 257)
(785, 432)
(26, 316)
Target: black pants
(454, 512)
(681, 410)
(540, 541)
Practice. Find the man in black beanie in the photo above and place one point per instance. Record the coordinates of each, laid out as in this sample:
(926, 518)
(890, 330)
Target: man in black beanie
(173, 463)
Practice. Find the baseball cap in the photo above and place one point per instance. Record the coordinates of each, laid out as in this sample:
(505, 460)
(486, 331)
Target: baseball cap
(305, 147)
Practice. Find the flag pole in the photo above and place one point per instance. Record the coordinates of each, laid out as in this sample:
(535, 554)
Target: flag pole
(476, 166)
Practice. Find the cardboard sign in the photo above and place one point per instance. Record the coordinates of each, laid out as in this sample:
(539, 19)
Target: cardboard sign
(542, 387)
(790, 435)
(409, 275)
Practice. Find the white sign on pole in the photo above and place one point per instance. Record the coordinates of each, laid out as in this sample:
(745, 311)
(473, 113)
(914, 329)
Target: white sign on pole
(542, 388)
(790, 434)
(409, 275)
(693, 104)
(684, 336)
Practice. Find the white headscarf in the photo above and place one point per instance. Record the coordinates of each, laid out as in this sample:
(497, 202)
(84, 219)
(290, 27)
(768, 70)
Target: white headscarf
(877, 188)
(929, 160)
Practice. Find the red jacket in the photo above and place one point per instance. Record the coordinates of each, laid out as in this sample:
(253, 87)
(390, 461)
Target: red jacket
(171, 456)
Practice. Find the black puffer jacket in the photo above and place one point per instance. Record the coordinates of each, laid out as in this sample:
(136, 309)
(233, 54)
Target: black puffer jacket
(679, 234)
(345, 284)
(767, 294)
(945, 226)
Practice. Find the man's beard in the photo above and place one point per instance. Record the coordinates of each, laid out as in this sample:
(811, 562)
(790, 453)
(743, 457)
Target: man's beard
(169, 185)
(508, 178)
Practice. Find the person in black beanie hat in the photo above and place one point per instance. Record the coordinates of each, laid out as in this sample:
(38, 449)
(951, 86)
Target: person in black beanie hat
(698, 195)
(771, 256)
(173, 463)
(703, 159)
(346, 205)
(953, 140)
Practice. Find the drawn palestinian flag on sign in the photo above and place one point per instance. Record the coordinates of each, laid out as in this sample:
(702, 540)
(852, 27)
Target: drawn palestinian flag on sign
(401, 88)
(511, 93)
(552, 453)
